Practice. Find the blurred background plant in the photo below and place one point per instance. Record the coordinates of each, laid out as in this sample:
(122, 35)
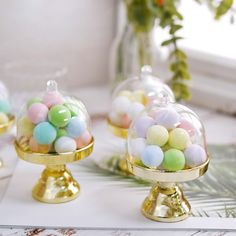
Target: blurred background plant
(137, 47)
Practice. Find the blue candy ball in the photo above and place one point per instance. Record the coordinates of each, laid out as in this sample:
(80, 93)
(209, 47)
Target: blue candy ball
(5, 106)
(76, 127)
(44, 133)
(152, 156)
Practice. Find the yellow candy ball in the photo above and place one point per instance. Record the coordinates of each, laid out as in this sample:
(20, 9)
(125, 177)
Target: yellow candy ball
(25, 127)
(3, 118)
(125, 93)
(139, 96)
(157, 135)
(179, 139)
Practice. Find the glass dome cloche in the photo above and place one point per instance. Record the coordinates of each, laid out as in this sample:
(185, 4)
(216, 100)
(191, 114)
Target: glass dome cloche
(134, 94)
(166, 144)
(54, 129)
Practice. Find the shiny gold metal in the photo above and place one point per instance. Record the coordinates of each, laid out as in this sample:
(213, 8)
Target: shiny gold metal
(166, 201)
(122, 133)
(56, 184)
(4, 128)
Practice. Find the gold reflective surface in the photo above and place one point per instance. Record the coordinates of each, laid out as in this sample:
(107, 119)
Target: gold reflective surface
(117, 131)
(56, 184)
(166, 201)
(4, 128)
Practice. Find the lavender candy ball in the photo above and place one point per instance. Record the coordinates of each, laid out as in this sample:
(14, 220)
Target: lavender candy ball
(195, 155)
(167, 117)
(152, 156)
(137, 145)
(142, 124)
(76, 127)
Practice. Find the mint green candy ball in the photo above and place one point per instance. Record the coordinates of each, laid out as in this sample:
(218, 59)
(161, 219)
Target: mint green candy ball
(157, 135)
(59, 116)
(5, 106)
(73, 108)
(33, 100)
(179, 138)
(174, 160)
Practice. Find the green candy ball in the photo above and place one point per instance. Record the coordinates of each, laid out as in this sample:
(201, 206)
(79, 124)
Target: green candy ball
(179, 138)
(157, 135)
(59, 116)
(33, 100)
(61, 132)
(174, 160)
(74, 109)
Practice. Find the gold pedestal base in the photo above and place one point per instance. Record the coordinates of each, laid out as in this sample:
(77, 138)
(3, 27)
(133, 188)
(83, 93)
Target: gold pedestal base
(123, 167)
(56, 185)
(166, 203)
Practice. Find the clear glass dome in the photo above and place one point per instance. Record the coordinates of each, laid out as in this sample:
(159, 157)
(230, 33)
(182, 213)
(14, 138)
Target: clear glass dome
(133, 95)
(167, 136)
(53, 123)
(5, 107)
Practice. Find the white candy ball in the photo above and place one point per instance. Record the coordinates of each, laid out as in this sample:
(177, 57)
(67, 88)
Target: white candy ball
(137, 146)
(195, 155)
(121, 105)
(134, 109)
(114, 118)
(65, 144)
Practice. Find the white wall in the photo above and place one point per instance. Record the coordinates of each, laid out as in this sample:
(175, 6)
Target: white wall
(75, 33)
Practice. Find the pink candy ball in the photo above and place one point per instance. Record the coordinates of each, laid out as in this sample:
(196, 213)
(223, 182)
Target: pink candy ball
(188, 126)
(52, 98)
(125, 121)
(37, 113)
(83, 140)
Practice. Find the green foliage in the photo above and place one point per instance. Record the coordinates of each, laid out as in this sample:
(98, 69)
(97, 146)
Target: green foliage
(142, 14)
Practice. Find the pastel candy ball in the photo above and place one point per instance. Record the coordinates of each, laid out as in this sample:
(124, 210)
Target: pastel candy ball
(179, 138)
(140, 97)
(188, 126)
(115, 118)
(3, 118)
(125, 93)
(167, 117)
(44, 133)
(157, 135)
(195, 155)
(40, 148)
(137, 145)
(52, 98)
(120, 105)
(65, 144)
(125, 121)
(61, 132)
(59, 115)
(84, 139)
(142, 124)
(5, 106)
(76, 127)
(37, 113)
(25, 127)
(33, 100)
(174, 160)
(74, 109)
(134, 109)
(152, 156)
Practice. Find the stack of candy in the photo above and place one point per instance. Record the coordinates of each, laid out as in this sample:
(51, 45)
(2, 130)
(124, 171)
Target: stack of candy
(4, 105)
(165, 139)
(53, 123)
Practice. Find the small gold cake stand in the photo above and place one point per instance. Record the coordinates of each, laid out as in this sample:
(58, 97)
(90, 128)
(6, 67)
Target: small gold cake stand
(166, 201)
(56, 184)
(4, 128)
(122, 133)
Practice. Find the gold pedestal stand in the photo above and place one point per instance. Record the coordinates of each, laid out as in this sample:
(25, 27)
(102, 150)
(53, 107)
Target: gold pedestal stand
(5, 128)
(166, 201)
(56, 184)
(122, 133)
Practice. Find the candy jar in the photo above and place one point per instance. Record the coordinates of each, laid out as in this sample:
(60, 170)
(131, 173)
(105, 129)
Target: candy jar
(6, 117)
(166, 145)
(129, 99)
(54, 130)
